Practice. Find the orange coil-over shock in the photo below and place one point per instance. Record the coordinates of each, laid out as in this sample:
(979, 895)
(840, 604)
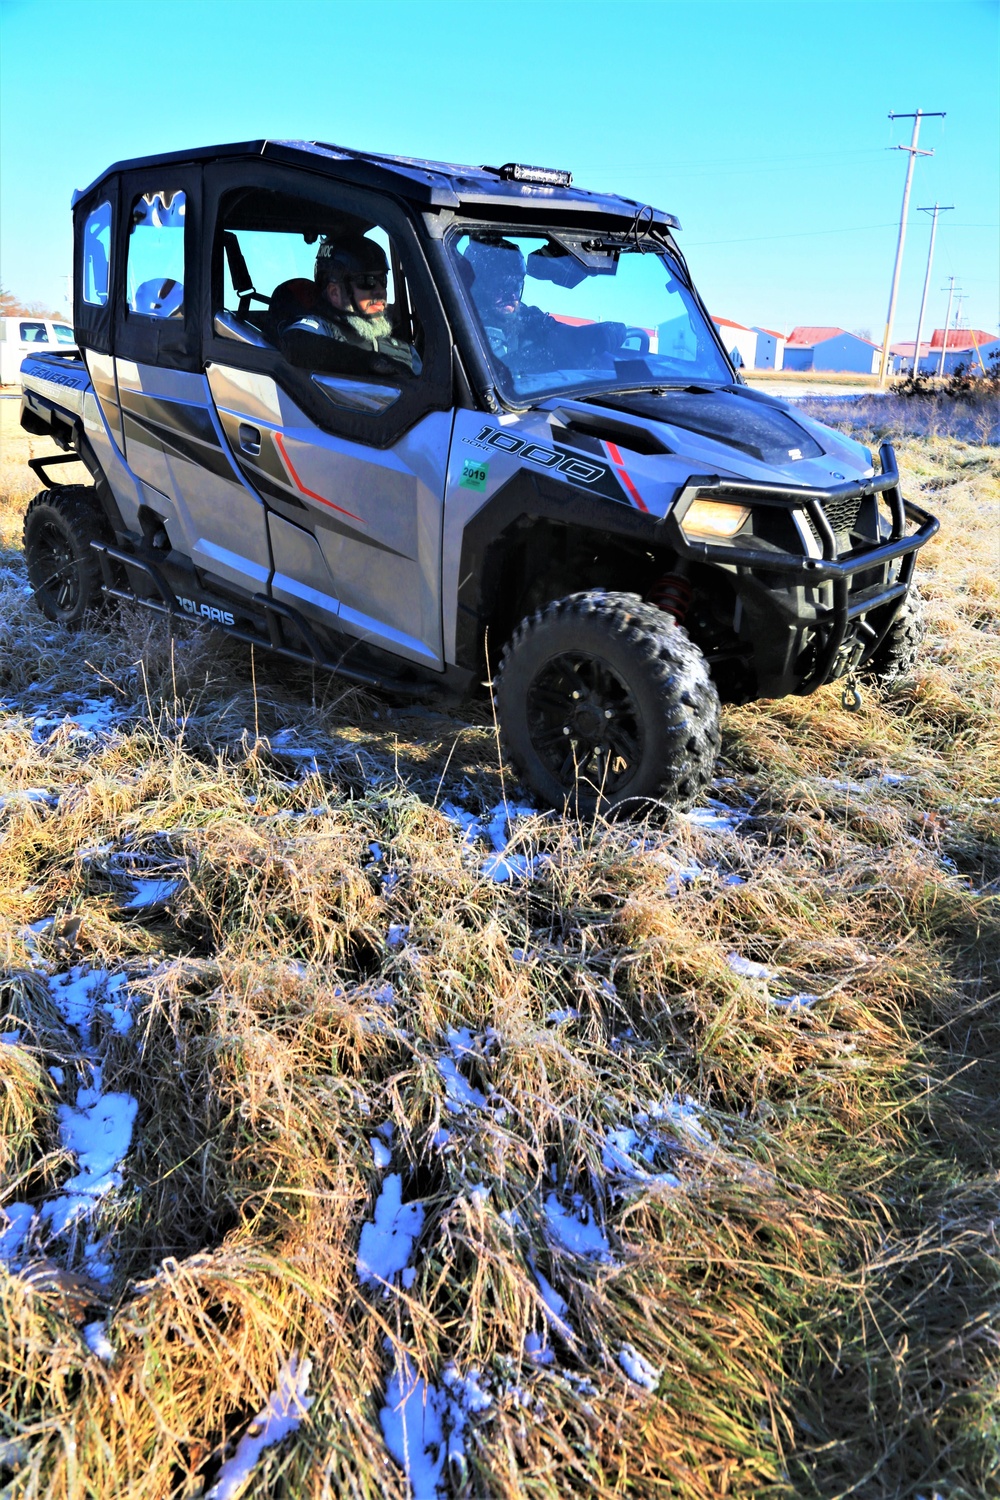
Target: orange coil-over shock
(673, 594)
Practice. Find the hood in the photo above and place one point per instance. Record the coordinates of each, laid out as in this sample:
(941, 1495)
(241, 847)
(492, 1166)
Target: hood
(738, 418)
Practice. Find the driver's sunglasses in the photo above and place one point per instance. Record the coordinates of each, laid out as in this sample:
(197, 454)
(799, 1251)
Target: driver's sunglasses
(369, 283)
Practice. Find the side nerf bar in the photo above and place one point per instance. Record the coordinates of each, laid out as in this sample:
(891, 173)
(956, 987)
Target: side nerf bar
(272, 610)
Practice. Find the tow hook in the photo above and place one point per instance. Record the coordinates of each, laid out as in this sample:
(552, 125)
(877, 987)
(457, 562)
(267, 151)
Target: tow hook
(851, 698)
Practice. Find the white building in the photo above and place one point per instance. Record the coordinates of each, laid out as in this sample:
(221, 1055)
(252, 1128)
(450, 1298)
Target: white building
(739, 341)
(770, 349)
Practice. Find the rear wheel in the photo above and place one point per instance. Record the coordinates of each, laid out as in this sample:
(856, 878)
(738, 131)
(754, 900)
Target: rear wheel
(602, 700)
(59, 526)
(897, 654)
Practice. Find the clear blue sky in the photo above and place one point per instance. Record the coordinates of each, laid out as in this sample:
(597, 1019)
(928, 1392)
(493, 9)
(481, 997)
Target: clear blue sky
(761, 123)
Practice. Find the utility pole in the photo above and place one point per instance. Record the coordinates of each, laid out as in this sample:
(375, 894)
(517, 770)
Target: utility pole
(937, 209)
(947, 320)
(916, 117)
(961, 297)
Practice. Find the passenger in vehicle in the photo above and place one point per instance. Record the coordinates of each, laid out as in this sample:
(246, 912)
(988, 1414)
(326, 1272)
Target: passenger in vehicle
(526, 338)
(351, 281)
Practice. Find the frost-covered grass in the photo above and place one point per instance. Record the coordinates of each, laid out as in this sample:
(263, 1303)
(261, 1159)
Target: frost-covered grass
(475, 1151)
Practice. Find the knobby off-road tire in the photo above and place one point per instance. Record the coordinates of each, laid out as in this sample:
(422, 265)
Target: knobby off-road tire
(603, 700)
(63, 568)
(897, 655)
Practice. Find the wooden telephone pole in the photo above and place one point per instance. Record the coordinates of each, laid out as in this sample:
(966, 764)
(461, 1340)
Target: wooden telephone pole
(937, 209)
(916, 117)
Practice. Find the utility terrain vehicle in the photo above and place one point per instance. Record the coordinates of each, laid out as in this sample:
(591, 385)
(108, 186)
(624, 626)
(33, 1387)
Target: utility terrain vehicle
(547, 473)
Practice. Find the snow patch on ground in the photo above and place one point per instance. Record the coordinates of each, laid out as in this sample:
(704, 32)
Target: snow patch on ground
(620, 1148)
(77, 994)
(685, 1115)
(576, 1229)
(715, 817)
(98, 1131)
(459, 1092)
(748, 969)
(95, 1336)
(380, 1152)
(151, 893)
(637, 1368)
(793, 1002)
(85, 720)
(424, 1426)
(19, 1218)
(386, 1242)
(283, 1413)
(413, 1430)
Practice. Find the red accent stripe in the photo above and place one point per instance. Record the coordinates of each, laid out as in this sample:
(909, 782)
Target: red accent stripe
(312, 493)
(623, 474)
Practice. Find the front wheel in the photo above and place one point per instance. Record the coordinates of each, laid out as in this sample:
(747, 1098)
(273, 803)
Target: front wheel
(602, 699)
(897, 653)
(59, 526)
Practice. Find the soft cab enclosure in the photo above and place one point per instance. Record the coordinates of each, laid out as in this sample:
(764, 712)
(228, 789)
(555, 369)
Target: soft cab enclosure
(533, 459)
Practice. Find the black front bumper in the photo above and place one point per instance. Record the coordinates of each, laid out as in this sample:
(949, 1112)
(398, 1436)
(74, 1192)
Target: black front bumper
(785, 589)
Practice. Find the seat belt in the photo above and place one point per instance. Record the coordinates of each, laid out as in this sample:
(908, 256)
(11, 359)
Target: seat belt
(239, 273)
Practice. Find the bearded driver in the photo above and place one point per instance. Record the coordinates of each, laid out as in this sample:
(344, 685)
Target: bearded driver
(351, 281)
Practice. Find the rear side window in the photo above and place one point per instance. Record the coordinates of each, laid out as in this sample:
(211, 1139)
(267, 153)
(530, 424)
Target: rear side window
(97, 255)
(155, 266)
(34, 333)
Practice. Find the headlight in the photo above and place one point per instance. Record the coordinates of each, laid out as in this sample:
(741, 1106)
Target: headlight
(714, 518)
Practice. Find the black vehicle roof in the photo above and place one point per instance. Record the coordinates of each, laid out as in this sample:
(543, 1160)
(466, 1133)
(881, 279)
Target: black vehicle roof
(431, 184)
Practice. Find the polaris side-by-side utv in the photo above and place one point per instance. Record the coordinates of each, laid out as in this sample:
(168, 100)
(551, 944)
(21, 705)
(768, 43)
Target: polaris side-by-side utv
(428, 425)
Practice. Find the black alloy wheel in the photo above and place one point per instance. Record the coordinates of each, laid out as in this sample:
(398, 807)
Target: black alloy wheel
(603, 700)
(584, 722)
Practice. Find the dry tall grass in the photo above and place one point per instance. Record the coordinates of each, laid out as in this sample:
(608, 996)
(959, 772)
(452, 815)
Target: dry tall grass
(807, 1253)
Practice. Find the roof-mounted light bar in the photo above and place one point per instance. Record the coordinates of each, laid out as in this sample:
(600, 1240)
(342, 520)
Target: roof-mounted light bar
(515, 171)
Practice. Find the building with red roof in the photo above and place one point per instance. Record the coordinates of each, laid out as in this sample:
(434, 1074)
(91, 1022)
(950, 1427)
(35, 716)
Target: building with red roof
(962, 338)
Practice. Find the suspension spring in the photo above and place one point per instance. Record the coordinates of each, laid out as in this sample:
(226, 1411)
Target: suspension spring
(673, 594)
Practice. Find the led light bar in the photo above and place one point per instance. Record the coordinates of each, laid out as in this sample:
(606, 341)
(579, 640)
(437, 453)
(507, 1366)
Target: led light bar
(515, 171)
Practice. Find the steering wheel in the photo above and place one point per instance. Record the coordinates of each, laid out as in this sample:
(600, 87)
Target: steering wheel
(637, 339)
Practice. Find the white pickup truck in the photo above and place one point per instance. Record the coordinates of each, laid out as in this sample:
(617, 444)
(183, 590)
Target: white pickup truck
(27, 334)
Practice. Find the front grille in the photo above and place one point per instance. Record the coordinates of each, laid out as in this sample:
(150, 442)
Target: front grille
(842, 514)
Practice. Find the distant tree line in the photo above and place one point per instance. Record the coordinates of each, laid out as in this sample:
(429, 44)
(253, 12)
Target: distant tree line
(11, 306)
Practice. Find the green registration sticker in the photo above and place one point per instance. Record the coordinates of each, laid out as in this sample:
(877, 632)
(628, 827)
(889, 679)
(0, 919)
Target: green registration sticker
(474, 475)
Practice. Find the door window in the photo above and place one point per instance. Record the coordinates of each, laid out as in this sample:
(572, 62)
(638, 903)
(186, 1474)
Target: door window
(155, 265)
(326, 288)
(34, 333)
(64, 334)
(97, 255)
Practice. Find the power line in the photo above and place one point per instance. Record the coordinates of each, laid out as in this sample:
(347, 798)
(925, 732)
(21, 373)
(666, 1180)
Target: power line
(916, 117)
(798, 234)
(947, 320)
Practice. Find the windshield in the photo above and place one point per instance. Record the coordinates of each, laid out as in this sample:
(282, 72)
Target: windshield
(568, 311)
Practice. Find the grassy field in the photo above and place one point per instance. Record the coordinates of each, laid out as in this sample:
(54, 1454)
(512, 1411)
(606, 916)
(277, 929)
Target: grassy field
(832, 378)
(666, 1166)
